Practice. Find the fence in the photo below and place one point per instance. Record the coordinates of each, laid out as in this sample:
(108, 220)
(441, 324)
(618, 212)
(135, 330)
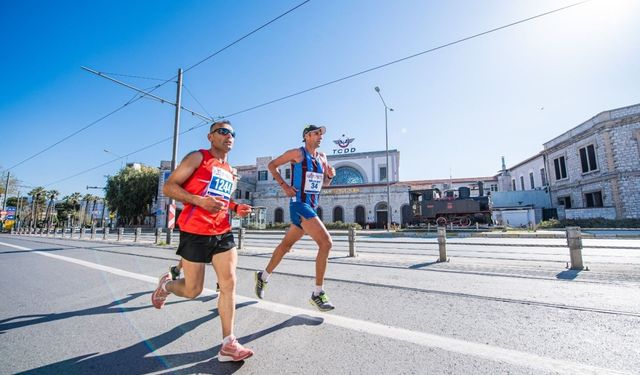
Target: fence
(346, 241)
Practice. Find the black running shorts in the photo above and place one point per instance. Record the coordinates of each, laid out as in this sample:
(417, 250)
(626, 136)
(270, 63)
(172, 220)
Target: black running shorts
(200, 248)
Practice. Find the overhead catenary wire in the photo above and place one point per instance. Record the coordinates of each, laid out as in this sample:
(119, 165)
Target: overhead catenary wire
(458, 41)
(406, 58)
(124, 156)
(196, 99)
(136, 97)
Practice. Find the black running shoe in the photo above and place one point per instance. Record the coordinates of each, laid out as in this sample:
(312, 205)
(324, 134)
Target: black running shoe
(174, 272)
(261, 285)
(321, 301)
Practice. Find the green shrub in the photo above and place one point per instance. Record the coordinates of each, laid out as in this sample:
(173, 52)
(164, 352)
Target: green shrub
(341, 225)
(591, 223)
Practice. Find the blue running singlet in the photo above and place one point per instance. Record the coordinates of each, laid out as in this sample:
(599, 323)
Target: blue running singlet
(307, 177)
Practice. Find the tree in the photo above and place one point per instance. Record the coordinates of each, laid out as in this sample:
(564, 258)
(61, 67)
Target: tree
(87, 215)
(68, 210)
(14, 183)
(38, 199)
(131, 192)
(52, 194)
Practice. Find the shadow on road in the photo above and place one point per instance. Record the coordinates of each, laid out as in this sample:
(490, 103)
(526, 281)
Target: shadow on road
(111, 308)
(568, 274)
(421, 265)
(140, 358)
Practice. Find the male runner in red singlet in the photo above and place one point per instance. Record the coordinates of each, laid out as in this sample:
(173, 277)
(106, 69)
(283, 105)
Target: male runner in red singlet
(309, 172)
(204, 182)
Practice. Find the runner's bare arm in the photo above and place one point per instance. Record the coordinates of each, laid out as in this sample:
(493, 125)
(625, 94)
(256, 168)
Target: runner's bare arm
(291, 156)
(173, 186)
(329, 171)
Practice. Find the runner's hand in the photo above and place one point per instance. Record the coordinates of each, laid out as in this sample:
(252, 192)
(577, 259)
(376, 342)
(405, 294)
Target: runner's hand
(243, 210)
(289, 190)
(212, 204)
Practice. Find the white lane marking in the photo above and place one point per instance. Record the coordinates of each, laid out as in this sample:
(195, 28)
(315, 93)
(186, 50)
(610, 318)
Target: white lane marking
(493, 353)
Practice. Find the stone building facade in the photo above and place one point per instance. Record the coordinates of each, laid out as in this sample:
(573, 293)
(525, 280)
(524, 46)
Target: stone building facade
(594, 168)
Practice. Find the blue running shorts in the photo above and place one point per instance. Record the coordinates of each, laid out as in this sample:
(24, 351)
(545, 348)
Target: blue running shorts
(298, 211)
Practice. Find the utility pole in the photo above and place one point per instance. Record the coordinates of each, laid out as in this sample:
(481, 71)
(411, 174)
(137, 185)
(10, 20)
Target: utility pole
(171, 209)
(6, 189)
(172, 204)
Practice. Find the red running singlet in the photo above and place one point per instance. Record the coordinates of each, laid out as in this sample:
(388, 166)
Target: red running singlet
(210, 178)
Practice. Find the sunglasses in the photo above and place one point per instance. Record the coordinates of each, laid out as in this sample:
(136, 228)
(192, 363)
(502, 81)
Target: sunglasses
(224, 131)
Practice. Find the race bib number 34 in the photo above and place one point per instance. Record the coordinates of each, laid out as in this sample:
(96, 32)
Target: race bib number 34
(221, 184)
(313, 182)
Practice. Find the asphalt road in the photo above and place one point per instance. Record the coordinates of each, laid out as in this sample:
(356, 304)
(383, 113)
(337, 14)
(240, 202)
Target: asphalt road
(498, 307)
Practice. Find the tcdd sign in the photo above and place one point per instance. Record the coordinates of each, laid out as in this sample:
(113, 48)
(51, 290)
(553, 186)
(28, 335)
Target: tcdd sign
(343, 145)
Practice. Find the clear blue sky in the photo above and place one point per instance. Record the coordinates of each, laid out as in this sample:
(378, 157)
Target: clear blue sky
(457, 109)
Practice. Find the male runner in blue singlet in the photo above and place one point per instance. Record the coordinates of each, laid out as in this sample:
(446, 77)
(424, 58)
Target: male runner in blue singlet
(309, 172)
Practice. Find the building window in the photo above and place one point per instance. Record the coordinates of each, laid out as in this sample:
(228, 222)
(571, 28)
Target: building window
(383, 173)
(565, 201)
(593, 199)
(522, 182)
(338, 214)
(360, 216)
(262, 176)
(278, 216)
(588, 159)
(543, 177)
(247, 195)
(238, 194)
(347, 176)
(560, 167)
(533, 186)
(494, 187)
(287, 173)
(513, 184)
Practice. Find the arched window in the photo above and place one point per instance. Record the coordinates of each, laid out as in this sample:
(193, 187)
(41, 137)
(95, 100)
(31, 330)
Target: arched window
(406, 215)
(319, 212)
(338, 214)
(278, 215)
(381, 215)
(347, 176)
(361, 218)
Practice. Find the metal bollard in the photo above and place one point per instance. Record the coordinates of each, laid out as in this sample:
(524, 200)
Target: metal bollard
(477, 226)
(574, 240)
(73, 230)
(428, 227)
(136, 235)
(105, 233)
(120, 233)
(241, 234)
(81, 229)
(93, 232)
(352, 242)
(158, 234)
(442, 244)
(451, 225)
(169, 236)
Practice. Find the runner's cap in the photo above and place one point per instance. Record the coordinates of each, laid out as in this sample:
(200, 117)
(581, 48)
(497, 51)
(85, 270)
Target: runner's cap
(310, 128)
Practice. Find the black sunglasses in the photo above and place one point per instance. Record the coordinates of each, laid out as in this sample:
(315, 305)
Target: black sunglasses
(224, 131)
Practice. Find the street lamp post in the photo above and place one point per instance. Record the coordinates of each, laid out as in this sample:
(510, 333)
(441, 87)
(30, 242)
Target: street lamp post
(386, 141)
(116, 155)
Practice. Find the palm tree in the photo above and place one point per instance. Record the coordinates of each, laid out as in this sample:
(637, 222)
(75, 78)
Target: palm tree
(87, 198)
(73, 201)
(37, 197)
(52, 194)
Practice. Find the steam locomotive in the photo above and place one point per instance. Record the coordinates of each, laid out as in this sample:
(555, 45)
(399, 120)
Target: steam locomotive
(448, 207)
